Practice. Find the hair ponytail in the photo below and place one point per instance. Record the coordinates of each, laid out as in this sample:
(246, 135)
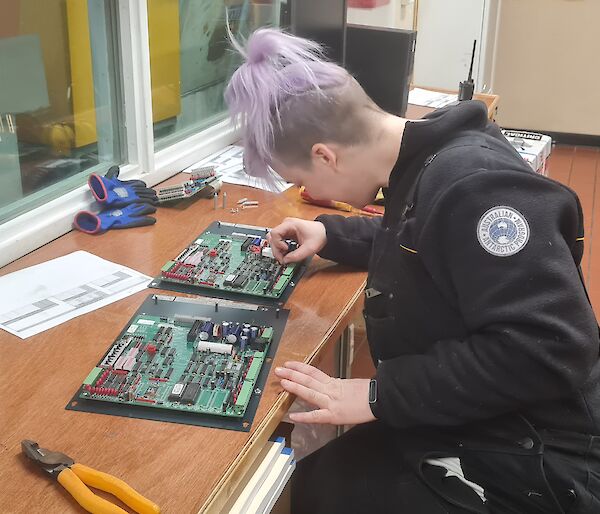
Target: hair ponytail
(277, 66)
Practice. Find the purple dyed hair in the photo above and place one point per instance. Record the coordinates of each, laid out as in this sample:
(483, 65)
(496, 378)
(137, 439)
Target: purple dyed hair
(284, 93)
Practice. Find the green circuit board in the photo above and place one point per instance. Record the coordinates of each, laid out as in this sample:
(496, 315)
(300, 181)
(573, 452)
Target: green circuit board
(231, 258)
(185, 363)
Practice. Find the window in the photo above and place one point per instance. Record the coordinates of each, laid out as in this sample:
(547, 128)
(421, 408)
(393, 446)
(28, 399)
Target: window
(59, 99)
(85, 84)
(191, 60)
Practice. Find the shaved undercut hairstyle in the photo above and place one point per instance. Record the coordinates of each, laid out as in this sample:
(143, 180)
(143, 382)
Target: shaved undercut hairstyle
(288, 97)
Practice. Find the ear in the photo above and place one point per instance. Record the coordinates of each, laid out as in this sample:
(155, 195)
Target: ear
(324, 155)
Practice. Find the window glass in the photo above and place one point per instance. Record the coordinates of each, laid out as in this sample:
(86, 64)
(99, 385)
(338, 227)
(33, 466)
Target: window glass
(191, 59)
(59, 108)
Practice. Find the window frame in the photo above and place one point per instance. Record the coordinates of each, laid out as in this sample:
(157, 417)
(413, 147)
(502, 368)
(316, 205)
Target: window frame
(30, 230)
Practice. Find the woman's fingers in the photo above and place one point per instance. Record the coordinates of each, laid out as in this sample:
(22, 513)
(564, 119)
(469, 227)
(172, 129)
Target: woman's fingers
(305, 393)
(309, 370)
(302, 379)
(313, 416)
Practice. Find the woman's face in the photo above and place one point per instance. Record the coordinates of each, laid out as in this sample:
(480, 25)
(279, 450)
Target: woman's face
(334, 172)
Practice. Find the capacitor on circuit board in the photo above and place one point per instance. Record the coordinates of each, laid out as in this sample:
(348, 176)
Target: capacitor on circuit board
(206, 331)
(225, 328)
(234, 334)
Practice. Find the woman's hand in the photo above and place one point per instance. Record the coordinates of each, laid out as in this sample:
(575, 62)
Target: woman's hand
(338, 401)
(310, 236)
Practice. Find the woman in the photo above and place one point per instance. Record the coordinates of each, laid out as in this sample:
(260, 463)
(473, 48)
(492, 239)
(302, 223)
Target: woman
(486, 395)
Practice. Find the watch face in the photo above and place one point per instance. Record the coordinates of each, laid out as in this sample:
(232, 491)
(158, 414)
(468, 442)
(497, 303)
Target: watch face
(372, 391)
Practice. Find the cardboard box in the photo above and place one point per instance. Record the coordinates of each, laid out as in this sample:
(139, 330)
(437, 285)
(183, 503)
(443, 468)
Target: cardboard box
(535, 148)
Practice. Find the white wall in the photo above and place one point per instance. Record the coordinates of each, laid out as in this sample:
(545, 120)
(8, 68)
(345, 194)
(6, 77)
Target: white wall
(547, 70)
(445, 33)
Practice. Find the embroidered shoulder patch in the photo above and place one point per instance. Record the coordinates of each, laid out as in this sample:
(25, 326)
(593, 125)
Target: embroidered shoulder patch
(503, 231)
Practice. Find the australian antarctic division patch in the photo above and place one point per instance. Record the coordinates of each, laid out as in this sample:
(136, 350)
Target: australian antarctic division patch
(503, 231)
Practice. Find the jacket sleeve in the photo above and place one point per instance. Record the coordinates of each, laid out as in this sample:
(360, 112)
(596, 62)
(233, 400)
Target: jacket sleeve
(532, 332)
(349, 239)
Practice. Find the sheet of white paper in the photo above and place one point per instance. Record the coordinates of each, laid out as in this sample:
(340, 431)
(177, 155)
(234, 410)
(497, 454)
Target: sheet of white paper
(229, 165)
(40, 297)
(431, 99)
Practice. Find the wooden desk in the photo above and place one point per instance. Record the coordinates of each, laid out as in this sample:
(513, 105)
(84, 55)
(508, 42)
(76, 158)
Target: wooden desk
(184, 469)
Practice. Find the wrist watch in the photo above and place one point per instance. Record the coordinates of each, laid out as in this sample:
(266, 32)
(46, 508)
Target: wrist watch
(372, 391)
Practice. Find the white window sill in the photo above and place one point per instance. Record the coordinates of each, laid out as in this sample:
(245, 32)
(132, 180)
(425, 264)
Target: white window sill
(39, 226)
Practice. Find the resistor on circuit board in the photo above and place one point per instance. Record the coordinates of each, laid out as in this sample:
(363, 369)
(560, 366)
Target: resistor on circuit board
(208, 346)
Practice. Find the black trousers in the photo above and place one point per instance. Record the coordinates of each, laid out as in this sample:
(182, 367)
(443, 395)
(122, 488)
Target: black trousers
(374, 468)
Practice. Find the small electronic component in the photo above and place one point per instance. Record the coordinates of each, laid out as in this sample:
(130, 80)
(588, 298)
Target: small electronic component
(176, 392)
(267, 252)
(196, 183)
(207, 346)
(204, 172)
(190, 394)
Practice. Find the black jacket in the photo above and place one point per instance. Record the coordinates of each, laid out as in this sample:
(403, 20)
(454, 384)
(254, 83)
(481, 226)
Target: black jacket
(475, 307)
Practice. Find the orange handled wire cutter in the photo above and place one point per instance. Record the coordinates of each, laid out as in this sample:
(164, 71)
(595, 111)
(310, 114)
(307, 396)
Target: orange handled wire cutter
(74, 477)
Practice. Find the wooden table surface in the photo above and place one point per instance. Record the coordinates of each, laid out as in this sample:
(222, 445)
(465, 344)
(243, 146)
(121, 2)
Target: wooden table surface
(184, 469)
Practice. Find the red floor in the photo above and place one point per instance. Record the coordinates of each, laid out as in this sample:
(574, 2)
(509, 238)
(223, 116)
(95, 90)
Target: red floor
(579, 168)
